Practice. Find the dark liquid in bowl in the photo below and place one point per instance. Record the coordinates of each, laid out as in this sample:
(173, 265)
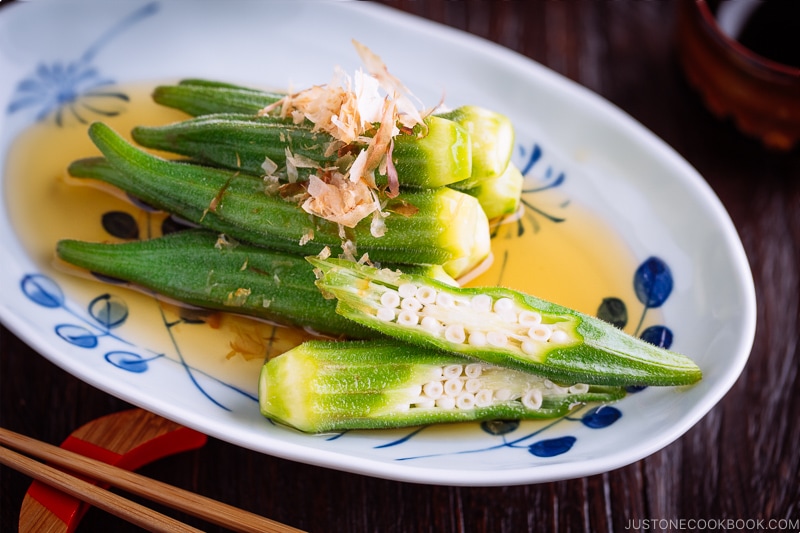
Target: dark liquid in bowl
(771, 29)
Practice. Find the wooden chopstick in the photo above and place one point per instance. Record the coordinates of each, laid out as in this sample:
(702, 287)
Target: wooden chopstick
(209, 510)
(102, 499)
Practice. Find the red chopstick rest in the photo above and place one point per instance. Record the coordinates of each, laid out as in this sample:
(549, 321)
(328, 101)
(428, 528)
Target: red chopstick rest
(128, 439)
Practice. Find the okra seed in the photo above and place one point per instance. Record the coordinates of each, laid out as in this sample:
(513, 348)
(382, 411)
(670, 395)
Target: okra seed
(445, 300)
(477, 338)
(482, 302)
(452, 371)
(473, 385)
(410, 304)
(433, 389)
(473, 370)
(386, 314)
(407, 290)
(503, 304)
(549, 384)
(390, 298)
(424, 402)
(528, 347)
(431, 324)
(407, 318)
(453, 386)
(529, 318)
(426, 295)
(539, 333)
(502, 394)
(446, 402)
(579, 388)
(507, 315)
(465, 401)
(497, 339)
(483, 398)
(455, 333)
(532, 399)
(559, 336)
(556, 389)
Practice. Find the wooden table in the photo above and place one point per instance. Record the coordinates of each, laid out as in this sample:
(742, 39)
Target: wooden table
(741, 462)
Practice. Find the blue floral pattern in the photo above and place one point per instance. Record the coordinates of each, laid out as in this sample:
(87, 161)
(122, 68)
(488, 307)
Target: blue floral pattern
(75, 87)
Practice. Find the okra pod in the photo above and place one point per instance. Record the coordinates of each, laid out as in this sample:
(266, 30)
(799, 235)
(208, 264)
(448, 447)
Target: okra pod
(492, 137)
(201, 97)
(491, 134)
(429, 226)
(241, 142)
(500, 326)
(499, 196)
(440, 156)
(329, 386)
(202, 269)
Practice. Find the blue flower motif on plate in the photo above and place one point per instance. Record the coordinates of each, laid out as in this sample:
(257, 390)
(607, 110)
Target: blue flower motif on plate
(76, 87)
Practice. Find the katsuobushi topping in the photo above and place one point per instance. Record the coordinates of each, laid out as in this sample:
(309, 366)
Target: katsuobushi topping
(363, 114)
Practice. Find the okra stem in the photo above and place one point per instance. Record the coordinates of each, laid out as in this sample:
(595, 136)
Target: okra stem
(500, 326)
(327, 386)
(499, 196)
(492, 137)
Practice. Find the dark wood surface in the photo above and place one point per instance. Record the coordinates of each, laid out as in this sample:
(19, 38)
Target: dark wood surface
(740, 462)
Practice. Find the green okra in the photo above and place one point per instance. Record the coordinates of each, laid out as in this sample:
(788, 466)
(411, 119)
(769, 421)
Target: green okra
(201, 97)
(199, 268)
(492, 134)
(438, 154)
(329, 386)
(499, 196)
(492, 137)
(500, 326)
(429, 226)
(241, 142)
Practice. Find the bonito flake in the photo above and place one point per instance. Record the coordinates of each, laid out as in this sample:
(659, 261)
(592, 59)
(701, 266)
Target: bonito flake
(340, 200)
(361, 113)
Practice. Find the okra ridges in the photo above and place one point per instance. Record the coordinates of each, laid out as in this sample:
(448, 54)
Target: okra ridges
(477, 320)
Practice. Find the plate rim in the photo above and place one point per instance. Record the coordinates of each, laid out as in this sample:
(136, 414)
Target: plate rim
(409, 473)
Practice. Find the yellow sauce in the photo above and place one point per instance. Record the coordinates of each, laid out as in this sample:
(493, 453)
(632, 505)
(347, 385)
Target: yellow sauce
(576, 263)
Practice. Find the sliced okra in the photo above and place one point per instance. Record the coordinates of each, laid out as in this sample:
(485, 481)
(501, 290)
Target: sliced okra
(499, 326)
(327, 386)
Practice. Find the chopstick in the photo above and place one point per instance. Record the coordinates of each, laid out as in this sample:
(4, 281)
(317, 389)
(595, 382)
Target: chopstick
(94, 495)
(190, 503)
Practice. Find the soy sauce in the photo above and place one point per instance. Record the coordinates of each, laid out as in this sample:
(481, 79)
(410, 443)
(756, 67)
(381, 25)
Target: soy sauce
(770, 28)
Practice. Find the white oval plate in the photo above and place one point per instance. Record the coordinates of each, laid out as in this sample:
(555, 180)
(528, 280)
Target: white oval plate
(660, 207)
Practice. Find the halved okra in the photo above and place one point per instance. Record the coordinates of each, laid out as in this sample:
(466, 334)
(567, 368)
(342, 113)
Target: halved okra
(440, 156)
(328, 386)
(499, 326)
(427, 226)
